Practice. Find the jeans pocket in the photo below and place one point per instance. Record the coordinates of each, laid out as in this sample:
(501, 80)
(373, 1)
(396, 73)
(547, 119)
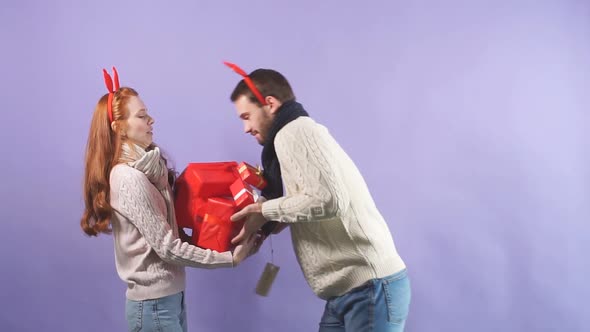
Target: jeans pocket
(168, 312)
(134, 313)
(397, 297)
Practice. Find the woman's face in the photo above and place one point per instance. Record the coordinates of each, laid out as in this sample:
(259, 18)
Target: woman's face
(139, 123)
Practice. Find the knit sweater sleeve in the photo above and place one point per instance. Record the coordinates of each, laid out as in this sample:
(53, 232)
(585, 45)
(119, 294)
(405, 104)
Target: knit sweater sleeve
(317, 192)
(134, 202)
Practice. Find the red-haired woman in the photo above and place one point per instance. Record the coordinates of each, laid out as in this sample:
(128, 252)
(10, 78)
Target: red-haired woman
(127, 192)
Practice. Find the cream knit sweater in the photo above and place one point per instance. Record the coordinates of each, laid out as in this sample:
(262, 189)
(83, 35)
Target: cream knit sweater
(149, 256)
(340, 239)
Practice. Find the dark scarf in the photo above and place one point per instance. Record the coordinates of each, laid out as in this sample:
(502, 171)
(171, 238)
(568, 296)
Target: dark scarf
(289, 111)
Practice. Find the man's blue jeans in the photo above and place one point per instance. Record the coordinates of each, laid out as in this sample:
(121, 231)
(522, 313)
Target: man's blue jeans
(380, 305)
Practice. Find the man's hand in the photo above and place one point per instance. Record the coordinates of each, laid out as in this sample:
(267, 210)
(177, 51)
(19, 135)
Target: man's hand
(254, 220)
(258, 241)
(243, 250)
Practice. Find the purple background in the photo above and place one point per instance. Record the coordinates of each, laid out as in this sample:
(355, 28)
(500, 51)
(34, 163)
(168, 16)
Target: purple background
(469, 120)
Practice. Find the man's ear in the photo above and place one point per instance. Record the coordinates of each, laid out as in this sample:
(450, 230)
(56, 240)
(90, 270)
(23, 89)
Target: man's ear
(273, 103)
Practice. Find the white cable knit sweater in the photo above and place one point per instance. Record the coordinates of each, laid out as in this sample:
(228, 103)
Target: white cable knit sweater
(340, 239)
(149, 256)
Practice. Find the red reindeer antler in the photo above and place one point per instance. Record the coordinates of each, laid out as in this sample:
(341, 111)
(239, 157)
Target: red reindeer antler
(108, 81)
(247, 80)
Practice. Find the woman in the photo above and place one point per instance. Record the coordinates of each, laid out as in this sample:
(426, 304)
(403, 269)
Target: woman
(127, 192)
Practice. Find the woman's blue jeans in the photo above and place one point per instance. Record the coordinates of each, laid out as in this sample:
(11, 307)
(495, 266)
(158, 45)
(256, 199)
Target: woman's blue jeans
(164, 314)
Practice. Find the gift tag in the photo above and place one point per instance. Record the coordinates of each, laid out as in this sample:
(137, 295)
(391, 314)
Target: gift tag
(268, 275)
(266, 279)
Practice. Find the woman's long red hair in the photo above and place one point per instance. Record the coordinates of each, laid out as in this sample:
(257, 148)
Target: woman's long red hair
(102, 154)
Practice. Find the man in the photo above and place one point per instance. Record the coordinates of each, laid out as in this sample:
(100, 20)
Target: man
(342, 243)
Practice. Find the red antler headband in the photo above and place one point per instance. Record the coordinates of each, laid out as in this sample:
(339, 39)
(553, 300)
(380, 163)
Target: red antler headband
(248, 81)
(108, 81)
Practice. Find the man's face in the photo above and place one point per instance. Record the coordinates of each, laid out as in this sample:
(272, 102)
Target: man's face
(257, 120)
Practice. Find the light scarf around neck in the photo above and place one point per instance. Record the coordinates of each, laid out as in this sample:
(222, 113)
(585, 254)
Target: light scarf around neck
(154, 167)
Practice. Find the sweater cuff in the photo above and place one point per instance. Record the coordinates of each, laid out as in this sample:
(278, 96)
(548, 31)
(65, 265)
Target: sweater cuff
(231, 257)
(270, 209)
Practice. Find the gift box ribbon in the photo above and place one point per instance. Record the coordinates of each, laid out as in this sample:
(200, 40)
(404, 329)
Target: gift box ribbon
(256, 171)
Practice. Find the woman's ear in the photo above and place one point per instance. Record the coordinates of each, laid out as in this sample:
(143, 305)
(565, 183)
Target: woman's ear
(116, 129)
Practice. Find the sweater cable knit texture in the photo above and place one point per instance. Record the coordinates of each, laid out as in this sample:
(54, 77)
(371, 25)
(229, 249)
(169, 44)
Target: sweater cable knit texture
(340, 238)
(149, 256)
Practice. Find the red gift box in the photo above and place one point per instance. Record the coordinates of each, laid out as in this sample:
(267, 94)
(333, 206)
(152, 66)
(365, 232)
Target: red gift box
(217, 229)
(242, 193)
(251, 175)
(196, 184)
(188, 209)
(196, 229)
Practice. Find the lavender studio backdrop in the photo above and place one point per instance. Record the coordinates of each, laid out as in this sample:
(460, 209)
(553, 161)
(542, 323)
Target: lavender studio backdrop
(469, 120)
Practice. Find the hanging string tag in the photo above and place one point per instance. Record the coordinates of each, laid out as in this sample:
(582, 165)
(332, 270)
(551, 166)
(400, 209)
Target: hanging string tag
(268, 275)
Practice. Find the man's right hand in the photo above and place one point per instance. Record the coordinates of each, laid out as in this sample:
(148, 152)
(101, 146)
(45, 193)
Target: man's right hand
(244, 249)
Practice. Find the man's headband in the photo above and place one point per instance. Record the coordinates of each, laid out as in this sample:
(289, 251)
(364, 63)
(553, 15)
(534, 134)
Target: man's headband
(248, 81)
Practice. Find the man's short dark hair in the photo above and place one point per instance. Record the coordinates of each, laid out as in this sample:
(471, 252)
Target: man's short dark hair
(269, 82)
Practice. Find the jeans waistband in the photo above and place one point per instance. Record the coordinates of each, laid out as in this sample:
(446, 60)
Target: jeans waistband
(370, 283)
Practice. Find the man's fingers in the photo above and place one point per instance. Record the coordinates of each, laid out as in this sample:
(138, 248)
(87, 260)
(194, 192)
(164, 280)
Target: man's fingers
(239, 237)
(256, 246)
(258, 241)
(253, 239)
(239, 215)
